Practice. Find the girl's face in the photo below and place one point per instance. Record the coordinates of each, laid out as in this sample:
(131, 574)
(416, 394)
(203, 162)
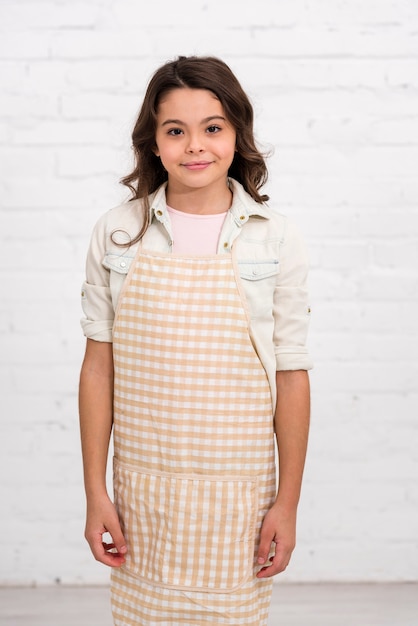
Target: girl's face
(195, 141)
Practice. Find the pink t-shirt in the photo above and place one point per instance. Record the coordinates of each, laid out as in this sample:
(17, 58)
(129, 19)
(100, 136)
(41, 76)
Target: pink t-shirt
(195, 234)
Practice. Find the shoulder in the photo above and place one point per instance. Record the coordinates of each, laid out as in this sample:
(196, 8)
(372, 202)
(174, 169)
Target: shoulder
(120, 223)
(259, 220)
(266, 229)
(123, 222)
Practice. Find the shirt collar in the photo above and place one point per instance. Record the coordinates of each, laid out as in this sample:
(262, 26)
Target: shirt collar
(243, 205)
(242, 208)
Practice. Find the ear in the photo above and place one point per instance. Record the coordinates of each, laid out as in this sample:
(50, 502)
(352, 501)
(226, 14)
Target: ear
(156, 151)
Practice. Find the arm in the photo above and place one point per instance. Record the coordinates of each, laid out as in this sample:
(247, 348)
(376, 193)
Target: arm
(291, 426)
(95, 403)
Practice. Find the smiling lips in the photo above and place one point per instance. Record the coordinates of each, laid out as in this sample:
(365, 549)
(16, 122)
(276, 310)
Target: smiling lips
(197, 165)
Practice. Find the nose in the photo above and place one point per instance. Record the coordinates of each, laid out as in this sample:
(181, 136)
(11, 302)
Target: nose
(195, 144)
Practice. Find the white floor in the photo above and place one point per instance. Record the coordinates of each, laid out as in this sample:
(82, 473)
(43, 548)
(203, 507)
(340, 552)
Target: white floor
(293, 605)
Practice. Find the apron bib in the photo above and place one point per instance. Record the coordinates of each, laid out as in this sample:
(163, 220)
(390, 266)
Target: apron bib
(194, 470)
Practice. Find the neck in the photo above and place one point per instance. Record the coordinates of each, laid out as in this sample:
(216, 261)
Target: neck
(199, 201)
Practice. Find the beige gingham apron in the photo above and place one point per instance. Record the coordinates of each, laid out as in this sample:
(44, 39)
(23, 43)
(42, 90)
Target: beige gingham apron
(194, 469)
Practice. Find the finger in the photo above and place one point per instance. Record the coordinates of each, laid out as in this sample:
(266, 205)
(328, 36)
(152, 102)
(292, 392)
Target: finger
(278, 564)
(266, 539)
(111, 548)
(111, 559)
(101, 553)
(117, 537)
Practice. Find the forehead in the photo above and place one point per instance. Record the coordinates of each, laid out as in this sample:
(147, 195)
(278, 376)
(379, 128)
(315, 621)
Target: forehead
(185, 99)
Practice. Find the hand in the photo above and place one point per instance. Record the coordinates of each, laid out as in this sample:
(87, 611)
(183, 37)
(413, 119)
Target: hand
(278, 527)
(102, 518)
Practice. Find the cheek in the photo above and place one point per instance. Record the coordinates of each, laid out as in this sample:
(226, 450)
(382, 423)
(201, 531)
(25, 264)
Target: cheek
(166, 153)
(163, 147)
(228, 147)
(228, 151)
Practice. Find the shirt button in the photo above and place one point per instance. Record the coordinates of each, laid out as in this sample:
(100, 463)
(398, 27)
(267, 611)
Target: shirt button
(242, 217)
(123, 264)
(159, 212)
(225, 244)
(255, 271)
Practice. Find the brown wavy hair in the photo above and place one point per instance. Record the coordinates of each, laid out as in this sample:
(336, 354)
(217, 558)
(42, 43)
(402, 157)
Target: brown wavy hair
(248, 166)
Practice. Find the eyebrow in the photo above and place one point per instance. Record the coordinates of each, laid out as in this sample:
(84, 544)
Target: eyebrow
(204, 121)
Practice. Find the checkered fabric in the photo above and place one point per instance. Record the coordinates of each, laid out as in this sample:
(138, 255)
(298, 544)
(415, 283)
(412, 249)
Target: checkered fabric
(194, 469)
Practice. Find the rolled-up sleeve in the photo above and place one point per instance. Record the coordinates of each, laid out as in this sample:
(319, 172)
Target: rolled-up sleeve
(291, 304)
(96, 298)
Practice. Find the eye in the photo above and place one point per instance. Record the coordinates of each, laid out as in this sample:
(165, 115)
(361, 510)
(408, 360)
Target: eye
(174, 132)
(213, 129)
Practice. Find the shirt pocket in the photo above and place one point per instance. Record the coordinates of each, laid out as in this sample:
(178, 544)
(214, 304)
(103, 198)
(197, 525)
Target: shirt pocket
(259, 280)
(119, 263)
(190, 532)
(118, 266)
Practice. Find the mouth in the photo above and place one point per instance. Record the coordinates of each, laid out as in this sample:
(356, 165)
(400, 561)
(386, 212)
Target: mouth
(197, 165)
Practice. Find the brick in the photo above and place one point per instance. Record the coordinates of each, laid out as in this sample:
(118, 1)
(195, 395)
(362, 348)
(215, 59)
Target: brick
(68, 132)
(63, 194)
(5, 133)
(300, 192)
(402, 73)
(397, 254)
(362, 376)
(100, 107)
(365, 347)
(19, 45)
(363, 317)
(108, 75)
(13, 75)
(329, 73)
(47, 15)
(95, 44)
(344, 255)
(87, 161)
(401, 285)
(39, 162)
(38, 106)
(395, 131)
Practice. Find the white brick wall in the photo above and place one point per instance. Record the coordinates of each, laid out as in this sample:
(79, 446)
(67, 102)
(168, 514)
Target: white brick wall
(335, 87)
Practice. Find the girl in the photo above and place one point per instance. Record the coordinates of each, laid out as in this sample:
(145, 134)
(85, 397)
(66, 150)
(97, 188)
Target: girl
(196, 318)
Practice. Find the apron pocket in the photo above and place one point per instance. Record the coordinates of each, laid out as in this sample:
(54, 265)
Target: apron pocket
(191, 532)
